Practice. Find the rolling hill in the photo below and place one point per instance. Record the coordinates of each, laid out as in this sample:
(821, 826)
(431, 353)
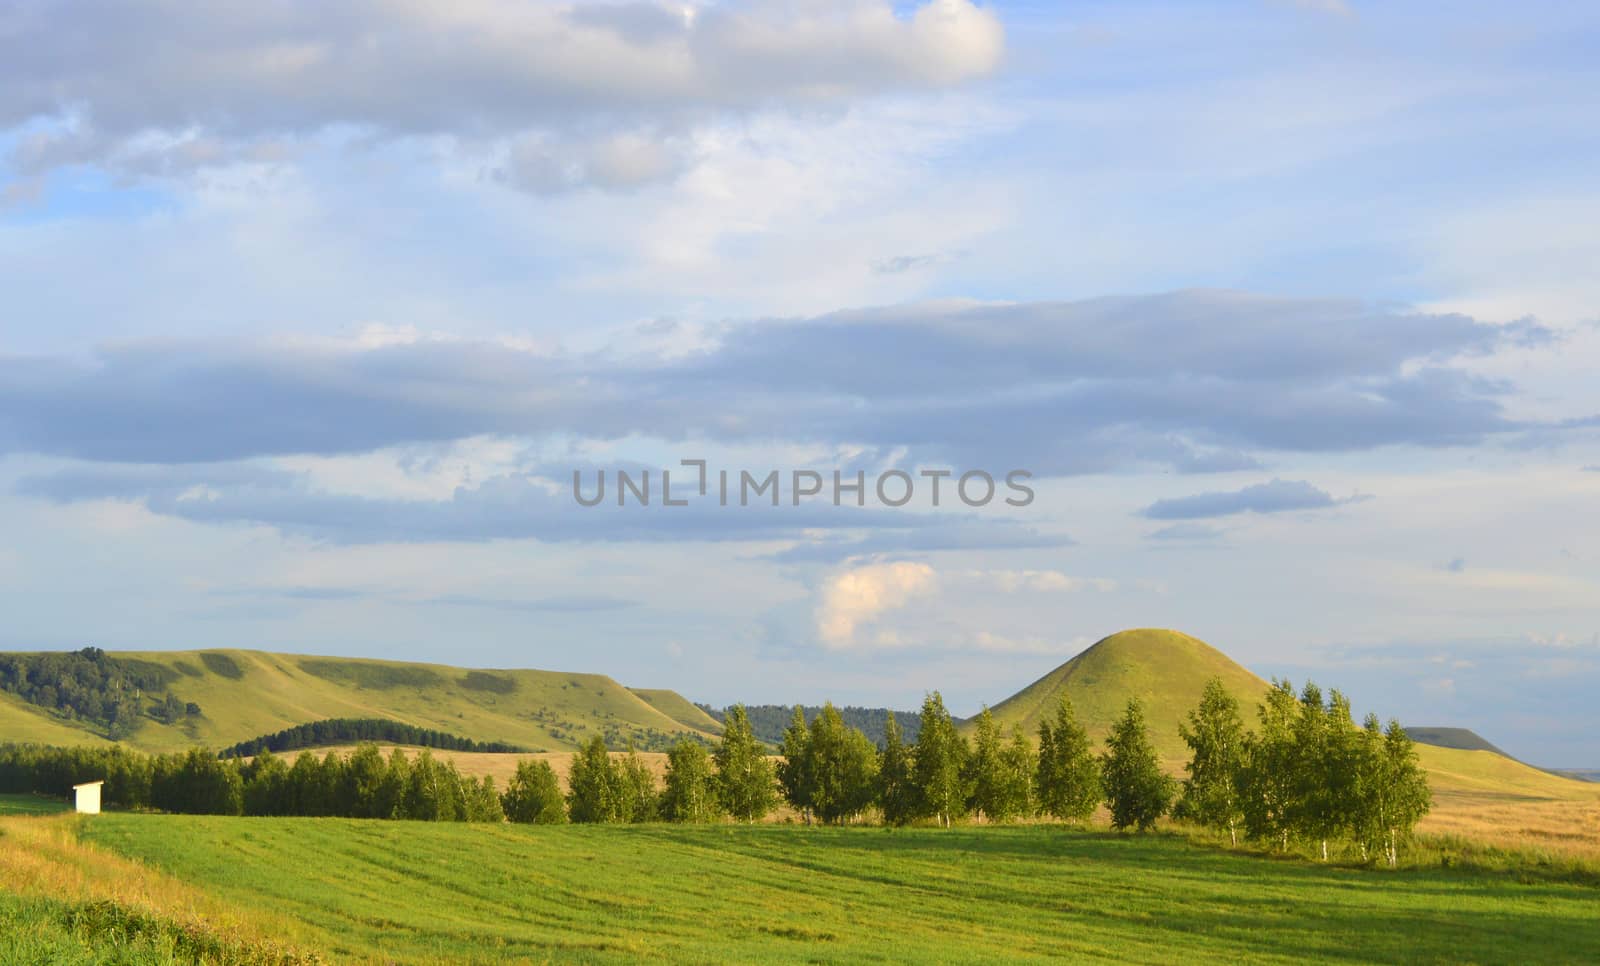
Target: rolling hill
(245, 694)
(1166, 670)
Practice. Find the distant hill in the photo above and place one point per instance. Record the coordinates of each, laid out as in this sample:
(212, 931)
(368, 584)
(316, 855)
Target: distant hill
(246, 694)
(1166, 670)
(1462, 738)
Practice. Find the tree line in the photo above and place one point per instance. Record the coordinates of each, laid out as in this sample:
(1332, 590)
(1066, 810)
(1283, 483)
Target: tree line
(338, 731)
(1306, 774)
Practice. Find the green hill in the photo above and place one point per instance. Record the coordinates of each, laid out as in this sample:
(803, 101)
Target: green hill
(247, 694)
(1166, 670)
(679, 709)
(1462, 738)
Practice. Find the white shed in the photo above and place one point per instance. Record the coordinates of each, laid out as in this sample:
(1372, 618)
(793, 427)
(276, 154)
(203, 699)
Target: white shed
(87, 797)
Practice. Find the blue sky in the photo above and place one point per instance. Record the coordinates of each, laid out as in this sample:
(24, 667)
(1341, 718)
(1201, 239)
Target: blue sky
(311, 310)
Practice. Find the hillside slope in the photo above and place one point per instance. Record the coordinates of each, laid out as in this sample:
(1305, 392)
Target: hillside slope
(679, 709)
(1166, 670)
(244, 694)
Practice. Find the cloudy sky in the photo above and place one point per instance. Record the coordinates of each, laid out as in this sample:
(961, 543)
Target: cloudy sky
(311, 310)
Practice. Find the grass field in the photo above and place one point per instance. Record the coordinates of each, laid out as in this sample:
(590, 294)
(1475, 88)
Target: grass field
(31, 805)
(423, 892)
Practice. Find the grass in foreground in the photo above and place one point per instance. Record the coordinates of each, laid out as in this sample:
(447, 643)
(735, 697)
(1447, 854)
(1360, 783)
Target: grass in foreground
(419, 892)
(63, 901)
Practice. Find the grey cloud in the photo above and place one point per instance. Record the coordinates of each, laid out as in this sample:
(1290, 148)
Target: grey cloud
(987, 536)
(1195, 532)
(1194, 381)
(1277, 496)
(507, 507)
(116, 77)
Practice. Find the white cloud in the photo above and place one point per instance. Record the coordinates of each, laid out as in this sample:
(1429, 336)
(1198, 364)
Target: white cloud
(859, 595)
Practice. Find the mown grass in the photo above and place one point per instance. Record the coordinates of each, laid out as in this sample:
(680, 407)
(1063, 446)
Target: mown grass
(31, 805)
(422, 892)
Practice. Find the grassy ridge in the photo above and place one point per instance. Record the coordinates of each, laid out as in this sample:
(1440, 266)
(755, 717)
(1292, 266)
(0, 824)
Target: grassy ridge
(423, 892)
(1166, 670)
(245, 694)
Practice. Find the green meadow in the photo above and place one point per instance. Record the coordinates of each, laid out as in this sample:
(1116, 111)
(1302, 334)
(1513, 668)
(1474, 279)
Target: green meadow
(428, 892)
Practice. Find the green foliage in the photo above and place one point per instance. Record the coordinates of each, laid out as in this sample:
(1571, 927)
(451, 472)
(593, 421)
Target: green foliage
(636, 790)
(770, 722)
(794, 771)
(533, 796)
(691, 792)
(1216, 739)
(897, 788)
(843, 766)
(339, 731)
(1310, 774)
(940, 764)
(746, 782)
(108, 693)
(1268, 782)
(1137, 790)
(1000, 774)
(593, 794)
(1068, 774)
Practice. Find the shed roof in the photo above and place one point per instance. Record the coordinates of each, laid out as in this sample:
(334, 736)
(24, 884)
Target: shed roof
(87, 785)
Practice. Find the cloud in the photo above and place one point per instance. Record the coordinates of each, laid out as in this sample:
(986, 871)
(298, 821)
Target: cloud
(514, 506)
(1276, 496)
(1194, 381)
(1197, 532)
(858, 595)
(1042, 581)
(1456, 565)
(988, 535)
(101, 80)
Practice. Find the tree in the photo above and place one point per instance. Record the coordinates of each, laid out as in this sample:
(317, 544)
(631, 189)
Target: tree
(982, 767)
(533, 796)
(746, 783)
(1215, 736)
(363, 775)
(939, 764)
(691, 794)
(265, 788)
(1137, 791)
(1068, 775)
(636, 785)
(897, 790)
(843, 767)
(1013, 792)
(794, 771)
(481, 802)
(592, 788)
(1392, 791)
(1267, 783)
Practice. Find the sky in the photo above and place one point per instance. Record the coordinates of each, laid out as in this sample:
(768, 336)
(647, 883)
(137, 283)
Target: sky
(1287, 312)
